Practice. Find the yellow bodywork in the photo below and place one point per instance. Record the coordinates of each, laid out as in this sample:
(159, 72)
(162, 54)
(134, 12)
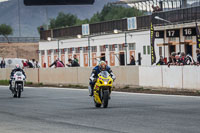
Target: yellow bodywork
(101, 82)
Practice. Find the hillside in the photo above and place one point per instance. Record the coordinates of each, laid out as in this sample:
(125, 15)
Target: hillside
(33, 16)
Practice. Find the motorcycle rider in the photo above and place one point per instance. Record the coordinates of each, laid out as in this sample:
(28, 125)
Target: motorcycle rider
(16, 69)
(96, 70)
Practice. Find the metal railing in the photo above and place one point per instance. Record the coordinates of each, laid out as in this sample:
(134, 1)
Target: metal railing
(20, 39)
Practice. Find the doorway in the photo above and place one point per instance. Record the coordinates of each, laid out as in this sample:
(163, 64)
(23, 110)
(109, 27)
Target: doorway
(103, 56)
(121, 58)
(172, 48)
(188, 49)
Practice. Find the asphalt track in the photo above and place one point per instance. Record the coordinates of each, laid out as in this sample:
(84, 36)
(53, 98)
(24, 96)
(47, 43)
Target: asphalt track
(55, 110)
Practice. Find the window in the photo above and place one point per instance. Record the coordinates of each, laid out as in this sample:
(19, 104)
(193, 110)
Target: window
(85, 49)
(121, 47)
(131, 23)
(94, 48)
(160, 51)
(132, 46)
(103, 48)
(42, 52)
(85, 29)
(62, 51)
(148, 49)
(70, 50)
(111, 47)
(55, 51)
(77, 50)
(144, 50)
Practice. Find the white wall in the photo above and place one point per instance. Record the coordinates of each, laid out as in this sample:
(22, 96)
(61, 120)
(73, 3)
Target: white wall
(140, 38)
(179, 77)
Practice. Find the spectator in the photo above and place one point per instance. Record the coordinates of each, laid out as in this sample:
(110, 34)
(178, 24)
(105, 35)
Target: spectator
(37, 64)
(75, 58)
(3, 63)
(34, 63)
(182, 59)
(189, 60)
(24, 64)
(161, 61)
(156, 8)
(72, 63)
(57, 63)
(30, 65)
(177, 60)
(132, 60)
(172, 59)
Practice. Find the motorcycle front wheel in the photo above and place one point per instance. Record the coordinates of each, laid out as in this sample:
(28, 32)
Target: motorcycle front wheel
(105, 98)
(19, 91)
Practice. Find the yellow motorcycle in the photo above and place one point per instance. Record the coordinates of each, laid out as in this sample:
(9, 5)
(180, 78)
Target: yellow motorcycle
(102, 89)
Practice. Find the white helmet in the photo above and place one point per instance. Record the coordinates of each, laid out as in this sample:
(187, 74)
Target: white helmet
(17, 66)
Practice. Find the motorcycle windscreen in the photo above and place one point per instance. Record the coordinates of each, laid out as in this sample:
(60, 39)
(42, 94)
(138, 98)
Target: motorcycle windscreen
(104, 74)
(18, 73)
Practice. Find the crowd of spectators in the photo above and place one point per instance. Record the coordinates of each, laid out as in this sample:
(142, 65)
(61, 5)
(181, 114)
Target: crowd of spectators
(71, 63)
(30, 64)
(180, 59)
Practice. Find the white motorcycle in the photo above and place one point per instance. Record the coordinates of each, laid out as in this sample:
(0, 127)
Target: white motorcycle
(17, 84)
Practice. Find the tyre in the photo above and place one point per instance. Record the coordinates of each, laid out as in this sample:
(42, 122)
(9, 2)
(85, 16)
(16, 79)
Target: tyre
(97, 105)
(18, 91)
(14, 94)
(105, 98)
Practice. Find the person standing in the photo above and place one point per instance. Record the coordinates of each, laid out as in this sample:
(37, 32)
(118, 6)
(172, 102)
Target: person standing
(3, 63)
(75, 58)
(198, 56)
(132, 62)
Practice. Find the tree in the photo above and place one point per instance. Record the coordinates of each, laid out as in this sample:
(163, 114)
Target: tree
(63, 20)
(111, 12)
(5, 30)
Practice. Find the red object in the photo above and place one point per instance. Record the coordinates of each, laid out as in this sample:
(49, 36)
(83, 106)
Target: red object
(165, 60)
(25, 64)
(44, 65)
(59, 64)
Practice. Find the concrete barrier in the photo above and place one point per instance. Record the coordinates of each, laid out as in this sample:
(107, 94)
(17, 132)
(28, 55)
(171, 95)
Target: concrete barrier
(32, 75)
(2, 74)
(150, 76)
(126, 76)
(173, 77)
(191, 77)
(180, 77)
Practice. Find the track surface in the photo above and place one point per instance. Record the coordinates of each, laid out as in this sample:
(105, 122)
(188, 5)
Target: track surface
(54, 110)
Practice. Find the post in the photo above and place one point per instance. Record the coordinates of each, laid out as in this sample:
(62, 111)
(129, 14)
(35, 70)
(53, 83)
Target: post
(58, 48)
(126, 49)
(89, 50)
(179, 43)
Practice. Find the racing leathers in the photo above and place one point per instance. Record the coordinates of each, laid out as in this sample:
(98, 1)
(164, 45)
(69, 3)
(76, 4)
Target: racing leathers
(94, 75)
